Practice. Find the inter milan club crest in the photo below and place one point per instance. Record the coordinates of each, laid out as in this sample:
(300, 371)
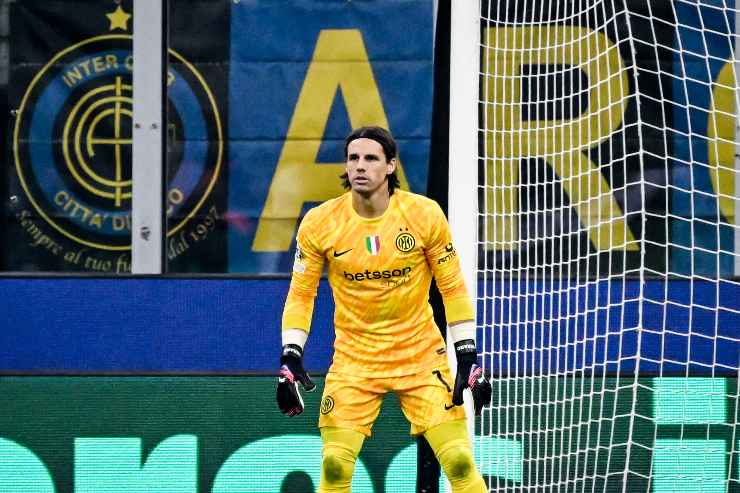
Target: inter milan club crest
(327, 404)
(73, 135)
(405, 241)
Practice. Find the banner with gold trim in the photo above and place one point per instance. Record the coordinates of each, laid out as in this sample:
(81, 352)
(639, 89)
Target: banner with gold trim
(69, 168)
(303, 74)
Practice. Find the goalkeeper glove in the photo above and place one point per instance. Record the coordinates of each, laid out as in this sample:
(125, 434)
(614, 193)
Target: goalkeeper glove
(470, 375)
(291, 371)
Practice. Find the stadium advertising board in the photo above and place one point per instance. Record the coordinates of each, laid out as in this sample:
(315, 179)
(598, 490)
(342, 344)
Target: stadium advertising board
(225, 434)
(610, 327)
(216, 330)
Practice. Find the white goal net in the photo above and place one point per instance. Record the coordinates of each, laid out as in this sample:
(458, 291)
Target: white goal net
(609, 245)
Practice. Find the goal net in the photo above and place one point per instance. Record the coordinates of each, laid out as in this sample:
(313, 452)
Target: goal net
(609, 245)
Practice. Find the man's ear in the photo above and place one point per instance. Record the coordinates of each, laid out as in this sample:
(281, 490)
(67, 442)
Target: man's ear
(392, 166)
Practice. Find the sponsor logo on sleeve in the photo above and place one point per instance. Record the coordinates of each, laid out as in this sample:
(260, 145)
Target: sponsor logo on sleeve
(450, 253)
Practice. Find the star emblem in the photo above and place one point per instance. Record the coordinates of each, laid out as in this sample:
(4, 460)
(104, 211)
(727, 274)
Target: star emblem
(118, 19)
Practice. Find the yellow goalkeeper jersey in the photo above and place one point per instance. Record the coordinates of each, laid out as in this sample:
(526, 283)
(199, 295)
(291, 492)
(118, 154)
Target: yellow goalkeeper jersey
(379, 270)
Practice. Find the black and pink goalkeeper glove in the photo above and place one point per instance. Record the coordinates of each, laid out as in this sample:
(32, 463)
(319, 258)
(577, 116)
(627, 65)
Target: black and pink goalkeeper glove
(470, 376)
(289, 397)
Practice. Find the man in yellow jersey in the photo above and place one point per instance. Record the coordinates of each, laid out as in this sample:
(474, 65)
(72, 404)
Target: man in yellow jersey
(382, 246)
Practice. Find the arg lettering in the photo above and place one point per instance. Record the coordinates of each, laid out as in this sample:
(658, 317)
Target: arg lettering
(564, 144)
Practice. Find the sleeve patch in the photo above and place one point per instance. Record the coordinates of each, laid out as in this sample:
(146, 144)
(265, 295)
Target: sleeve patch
(298, 265)
(449, 254)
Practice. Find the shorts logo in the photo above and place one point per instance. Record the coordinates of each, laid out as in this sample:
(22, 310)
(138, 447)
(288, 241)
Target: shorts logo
(405, 242)
(72, 142)
(327, 404)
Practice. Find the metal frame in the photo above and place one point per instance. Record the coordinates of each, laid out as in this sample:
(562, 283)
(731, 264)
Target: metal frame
(463, 166)
(147, 221)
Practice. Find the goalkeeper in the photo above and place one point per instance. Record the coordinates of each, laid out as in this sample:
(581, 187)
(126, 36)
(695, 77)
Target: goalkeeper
(381, 247)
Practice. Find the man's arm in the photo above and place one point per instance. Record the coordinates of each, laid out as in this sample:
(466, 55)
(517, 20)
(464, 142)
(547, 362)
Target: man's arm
(443, 260)
(469, 375)
(296, 322)
(445, 265)
(304, 281)
(288, 396)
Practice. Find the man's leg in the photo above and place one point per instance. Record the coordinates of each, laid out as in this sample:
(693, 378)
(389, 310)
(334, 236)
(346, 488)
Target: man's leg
(341, 448)
(349, 407)
(451, 445)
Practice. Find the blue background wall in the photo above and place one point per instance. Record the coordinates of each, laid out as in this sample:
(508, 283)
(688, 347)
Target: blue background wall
(144, 325)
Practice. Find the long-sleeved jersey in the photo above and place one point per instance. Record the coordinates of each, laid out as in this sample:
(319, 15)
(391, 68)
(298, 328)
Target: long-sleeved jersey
(379, 270)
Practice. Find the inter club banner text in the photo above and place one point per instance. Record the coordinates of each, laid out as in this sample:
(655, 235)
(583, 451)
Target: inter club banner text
(68, 153)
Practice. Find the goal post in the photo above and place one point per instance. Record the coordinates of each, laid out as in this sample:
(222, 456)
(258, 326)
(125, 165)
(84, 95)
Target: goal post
(600, 186)
(463, 150)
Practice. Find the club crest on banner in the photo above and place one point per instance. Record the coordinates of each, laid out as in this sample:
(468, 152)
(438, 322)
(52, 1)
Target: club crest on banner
(72, 141)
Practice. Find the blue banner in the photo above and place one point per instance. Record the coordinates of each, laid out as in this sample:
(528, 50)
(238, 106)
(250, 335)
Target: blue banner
(704, 117)
(302, 75)
(233, 326)
(674, 328)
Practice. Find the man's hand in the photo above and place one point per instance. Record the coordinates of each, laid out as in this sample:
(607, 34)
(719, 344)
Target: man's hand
(291, 371)
(470, 376)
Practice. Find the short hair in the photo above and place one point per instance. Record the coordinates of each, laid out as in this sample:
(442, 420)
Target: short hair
(386, 141)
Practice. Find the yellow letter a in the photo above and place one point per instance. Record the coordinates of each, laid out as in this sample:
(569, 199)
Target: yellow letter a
(339, 62)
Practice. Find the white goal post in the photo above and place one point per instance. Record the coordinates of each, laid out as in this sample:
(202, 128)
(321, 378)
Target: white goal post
(463, 166)
(595, 199)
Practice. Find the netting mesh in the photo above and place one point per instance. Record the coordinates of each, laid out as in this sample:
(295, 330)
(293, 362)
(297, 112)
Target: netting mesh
(609, 245)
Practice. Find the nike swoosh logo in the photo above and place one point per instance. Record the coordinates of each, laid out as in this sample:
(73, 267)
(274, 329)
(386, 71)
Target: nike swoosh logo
(339, 254)
(447, 408)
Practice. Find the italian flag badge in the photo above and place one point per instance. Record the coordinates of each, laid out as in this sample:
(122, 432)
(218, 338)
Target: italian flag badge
(372, 244)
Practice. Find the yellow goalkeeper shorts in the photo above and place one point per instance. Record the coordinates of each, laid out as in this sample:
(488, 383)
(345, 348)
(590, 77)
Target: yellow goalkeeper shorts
(354, 402)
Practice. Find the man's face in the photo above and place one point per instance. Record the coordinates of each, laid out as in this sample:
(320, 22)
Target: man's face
(367, 168)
